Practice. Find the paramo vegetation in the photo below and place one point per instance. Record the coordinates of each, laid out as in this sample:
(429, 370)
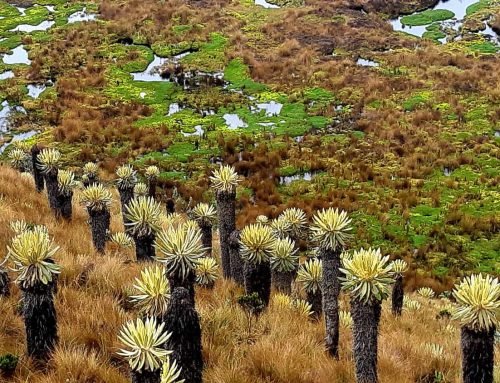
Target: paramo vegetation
(172, 314)
(248, 191)
(407, 145)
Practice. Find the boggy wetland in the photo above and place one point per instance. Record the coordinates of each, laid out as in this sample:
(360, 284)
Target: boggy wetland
(388, 110)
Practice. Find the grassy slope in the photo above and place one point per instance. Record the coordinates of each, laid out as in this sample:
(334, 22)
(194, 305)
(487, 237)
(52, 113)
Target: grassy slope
(280, 348)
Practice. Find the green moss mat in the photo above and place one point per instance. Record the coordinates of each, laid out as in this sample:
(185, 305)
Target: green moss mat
(427, 17)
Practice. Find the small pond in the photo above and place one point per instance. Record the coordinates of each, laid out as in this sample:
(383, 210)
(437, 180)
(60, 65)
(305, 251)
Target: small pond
(233, 121)
(35, 90)
(272, 108)
(265, 4)
(170, 69)
(365, 62)
(208, 112)
(489, 33)
(19, 55)
(18, 137)
(198, 132)
(6, 113)
(43, 26)
(174, 108)
(299, 139)
(7, 74)
(82, 15)
(153, 71)
(458, 7)
(297, 177)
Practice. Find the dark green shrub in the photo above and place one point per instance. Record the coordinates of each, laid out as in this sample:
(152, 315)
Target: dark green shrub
(251, 303)
(8, 364)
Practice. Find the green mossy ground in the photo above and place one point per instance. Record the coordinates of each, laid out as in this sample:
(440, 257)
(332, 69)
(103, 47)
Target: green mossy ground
(287, 3)
(479, 6)
(429, 234)
(237, 73)
(434, 32)
(417, 100)
(293, 119)
(427, 17)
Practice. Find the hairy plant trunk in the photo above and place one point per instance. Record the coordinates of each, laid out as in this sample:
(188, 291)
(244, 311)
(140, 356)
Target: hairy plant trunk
(258, 280)
(146, 376)
(126, 195)
(22, 168)
(91, 180)
(282, 281)
(144, 249)
(99, 225)
(206, 237)
(315, 300)
(398, 295)
(331, 291)
(65, 205)
(183, 322)
(40, 320)
(366, 319)
(53, 191)
(226, 207)
(237, 264)
(152, 188)
(187, 283)
(209, 286)
(4, 283)
(37, 173)
(477, 355)
(170, 206)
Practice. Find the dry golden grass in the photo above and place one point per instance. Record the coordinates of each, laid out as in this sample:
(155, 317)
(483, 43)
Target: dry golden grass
(280, 348)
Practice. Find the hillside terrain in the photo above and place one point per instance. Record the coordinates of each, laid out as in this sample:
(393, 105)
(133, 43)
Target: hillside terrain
(313, 103)
(281, 346)
(386, 110)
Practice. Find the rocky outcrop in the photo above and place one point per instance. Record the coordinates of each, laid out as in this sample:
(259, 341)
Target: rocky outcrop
(395, 8)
